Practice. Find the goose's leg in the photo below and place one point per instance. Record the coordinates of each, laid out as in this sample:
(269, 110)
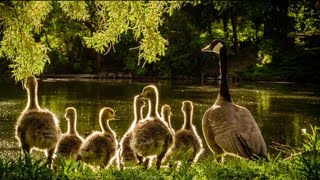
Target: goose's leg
(217, 153)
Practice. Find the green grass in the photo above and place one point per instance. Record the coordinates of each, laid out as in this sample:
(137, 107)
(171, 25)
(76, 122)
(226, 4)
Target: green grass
(25, 168)
(304, 164)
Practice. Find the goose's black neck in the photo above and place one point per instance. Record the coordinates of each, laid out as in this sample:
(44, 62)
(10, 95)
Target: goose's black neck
(224, 90)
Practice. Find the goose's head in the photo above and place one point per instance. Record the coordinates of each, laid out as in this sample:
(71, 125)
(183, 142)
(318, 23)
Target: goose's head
(215, 46)
(166, 111)
(70, 113)
(107, 113)
(30, 82)
(149, 92)
(187, 106)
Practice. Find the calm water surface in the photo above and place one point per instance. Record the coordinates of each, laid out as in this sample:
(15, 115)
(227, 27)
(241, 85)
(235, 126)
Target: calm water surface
(280, 109)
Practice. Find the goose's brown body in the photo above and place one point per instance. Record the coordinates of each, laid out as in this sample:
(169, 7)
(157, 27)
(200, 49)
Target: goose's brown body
(227, 126)
(231, 128)
(99, 148)
(70, 142)
(36, 127)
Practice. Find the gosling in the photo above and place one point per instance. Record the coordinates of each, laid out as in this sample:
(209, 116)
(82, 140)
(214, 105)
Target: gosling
(188, 145)
(151, 137)
(99, 148)
(70, 142)
(36, 127)
(126, 154)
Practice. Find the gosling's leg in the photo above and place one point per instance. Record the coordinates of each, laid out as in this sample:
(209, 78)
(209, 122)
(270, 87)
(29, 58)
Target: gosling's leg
(161, 156)
(49, 155)
(26, 149)
(106, 160)
(195, 151)
(146, 163)
(140, 159)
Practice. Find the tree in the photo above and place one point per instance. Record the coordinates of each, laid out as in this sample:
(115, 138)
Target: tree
(22, 22)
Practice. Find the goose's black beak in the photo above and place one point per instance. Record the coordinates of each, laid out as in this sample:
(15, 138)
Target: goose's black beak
(207, 48)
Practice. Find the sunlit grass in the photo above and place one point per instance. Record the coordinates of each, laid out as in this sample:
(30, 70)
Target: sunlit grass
(303, 164)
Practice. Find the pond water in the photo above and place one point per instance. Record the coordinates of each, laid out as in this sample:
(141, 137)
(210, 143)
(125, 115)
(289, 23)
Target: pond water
(280, 109)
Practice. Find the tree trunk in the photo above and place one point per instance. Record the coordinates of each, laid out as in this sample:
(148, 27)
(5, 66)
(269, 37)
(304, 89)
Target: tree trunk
(276, 27)
(234, 23)
(225, 26)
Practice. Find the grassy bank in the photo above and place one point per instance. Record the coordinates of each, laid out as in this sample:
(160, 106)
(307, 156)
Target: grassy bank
(303, 164)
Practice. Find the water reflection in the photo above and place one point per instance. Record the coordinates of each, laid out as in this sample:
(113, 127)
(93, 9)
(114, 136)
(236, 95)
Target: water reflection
(281, 110)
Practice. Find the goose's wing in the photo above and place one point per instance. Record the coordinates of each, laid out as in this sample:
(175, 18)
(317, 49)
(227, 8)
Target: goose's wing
(223, 124)
(220, 130)
(249, 133)
(236, 131)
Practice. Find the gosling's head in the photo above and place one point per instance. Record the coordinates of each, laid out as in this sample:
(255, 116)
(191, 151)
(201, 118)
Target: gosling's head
(70, 113)
(139, 102)
(215, 46)
(107, 113)
(166, 111)
(30, 82)
(187, 106)
(149, 92)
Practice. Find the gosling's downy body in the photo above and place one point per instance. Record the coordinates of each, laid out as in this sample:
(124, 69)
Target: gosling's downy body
(228, 127)
(151, 137)
(99, 148)
(36, 127)
(70, 142)
(126, 154)
(188, 145)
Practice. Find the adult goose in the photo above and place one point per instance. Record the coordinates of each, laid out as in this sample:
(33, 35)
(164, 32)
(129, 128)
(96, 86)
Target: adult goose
(70, 142)
(188, 145)
(36, 127)
(99, 148)
(228, 127)
(126, 154)
(151, 137)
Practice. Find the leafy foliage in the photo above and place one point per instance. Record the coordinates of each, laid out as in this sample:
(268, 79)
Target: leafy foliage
(21, 22)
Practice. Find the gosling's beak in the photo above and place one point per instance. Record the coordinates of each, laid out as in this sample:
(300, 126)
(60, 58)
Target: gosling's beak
(141, 96)
(22, 83)
(116, 118)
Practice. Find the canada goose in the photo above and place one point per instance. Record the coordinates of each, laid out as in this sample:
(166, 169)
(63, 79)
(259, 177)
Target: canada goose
(99, 148)
(70, 142)
(151, 137)
(228, 127)
(126, 154)
(188, 145)
(36, 127)
(166, 116)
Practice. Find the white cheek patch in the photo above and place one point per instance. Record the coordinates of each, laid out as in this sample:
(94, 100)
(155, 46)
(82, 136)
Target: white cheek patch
(217, 48)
